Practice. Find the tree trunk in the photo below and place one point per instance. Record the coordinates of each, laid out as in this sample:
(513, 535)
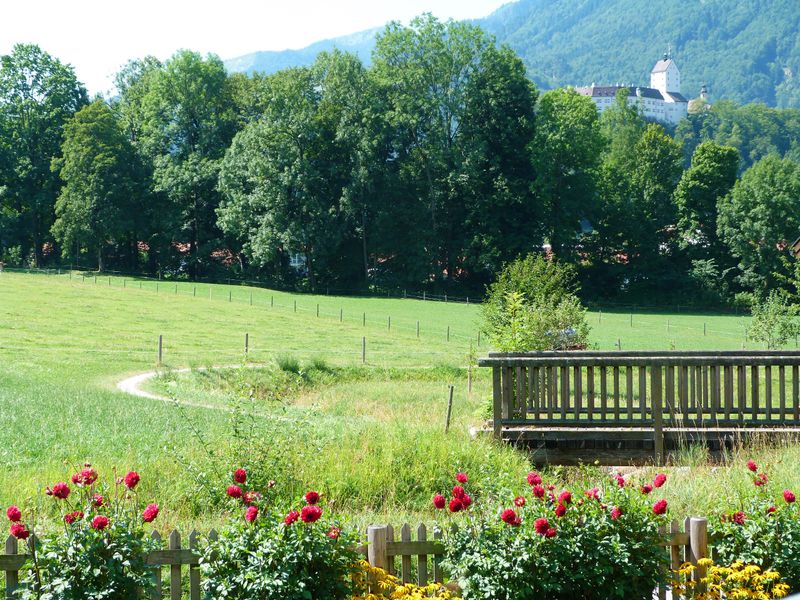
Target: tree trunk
(100, 259)
(364, 246)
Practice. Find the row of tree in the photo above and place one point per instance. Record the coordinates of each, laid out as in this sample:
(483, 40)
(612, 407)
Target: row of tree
(433, 167)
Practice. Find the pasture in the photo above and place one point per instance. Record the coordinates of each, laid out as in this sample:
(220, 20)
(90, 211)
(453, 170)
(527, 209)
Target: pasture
(371, 436)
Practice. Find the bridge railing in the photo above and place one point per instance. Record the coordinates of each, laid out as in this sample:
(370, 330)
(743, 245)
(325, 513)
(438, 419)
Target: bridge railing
(646, 389)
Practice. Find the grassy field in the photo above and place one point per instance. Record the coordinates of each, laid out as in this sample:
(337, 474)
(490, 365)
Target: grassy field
(371, 437)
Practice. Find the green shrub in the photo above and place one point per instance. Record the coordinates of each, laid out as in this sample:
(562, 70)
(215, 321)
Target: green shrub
(774, 321)
(602, 544)
(267, 554)
(288, 363)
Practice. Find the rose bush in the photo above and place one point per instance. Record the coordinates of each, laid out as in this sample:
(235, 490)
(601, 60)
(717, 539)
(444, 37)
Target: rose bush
(600, 543)
(101, 551)
(764, 531)
(271, 554)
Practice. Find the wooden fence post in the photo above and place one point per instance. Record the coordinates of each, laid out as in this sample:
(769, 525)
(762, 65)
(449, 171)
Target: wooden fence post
(377, 554)
(156, 569)
(449, 411)
(160, 349)
(448, 333)
(698, 548)
(246, 343)
(175, 592)
(194, 570)
(497, 403)
(341, 315)
(658, 425)
(12, 577)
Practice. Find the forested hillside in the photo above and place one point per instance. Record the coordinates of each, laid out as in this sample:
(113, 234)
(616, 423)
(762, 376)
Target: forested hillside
(429, 168)
(746, 51)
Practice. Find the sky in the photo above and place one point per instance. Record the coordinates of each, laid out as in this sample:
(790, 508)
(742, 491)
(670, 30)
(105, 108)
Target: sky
(97, 37)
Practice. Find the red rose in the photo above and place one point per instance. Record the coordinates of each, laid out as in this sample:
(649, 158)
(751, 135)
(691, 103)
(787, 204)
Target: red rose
(541, 526)
(61, 490)
(538, 491)
(620, 480)
(240, 476)
(439, 501)
(660, 507)
(86, 477)
(461, 477)
(771, 510)
(334, 533)
(234, 491)
(789, 496)
(534, 478)
(593, 493)
(458, 492)
(250, 498)
(561, 510)
(550, 533)
(456, 505)
(761, 479)
(132, 480)
(251, 513)
(291, 517)
(310, 513)
(311, 497)
(551, 487)
(99, 522)
(738, 518)
(510, 517)
(98, 500)
(466, 501)
(19, 531)
(14, 514)
(565, 498)
(646, 488)
(519, 501)
(752, 466)
(616, 513)
(70, 518)
(76, 478)
(150, 513)
(660, 480)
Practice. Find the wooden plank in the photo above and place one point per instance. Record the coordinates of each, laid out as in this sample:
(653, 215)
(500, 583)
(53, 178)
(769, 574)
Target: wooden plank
(12, 575)
(629, 391)
(616, 393)
(194, 571)
(577, 378)
(564, 392)
(497, 403)
(658, 426)
(683, 393)
(422, 558)
(754, 392)
(521, 402)
(782, 391)
(675, 552)
(529, 398)
(669, 389)
(389, 540)
(716, 392)
(438, 576)
(741, 390)
(175, 592)
(603, 393)
(535, 376)
(405, 559)
(552, 391)
(728, 391)
(156, 595)
(706, 394)
(796, 392)
(643, 392)
(767, 393)
(508, 381)
(542, 391)
(590, 392)
(662, 589)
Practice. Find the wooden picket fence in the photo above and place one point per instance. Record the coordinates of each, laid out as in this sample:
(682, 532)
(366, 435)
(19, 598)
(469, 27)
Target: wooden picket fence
(413, 558)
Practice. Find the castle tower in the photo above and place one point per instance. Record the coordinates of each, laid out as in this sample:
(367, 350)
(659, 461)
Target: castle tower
(665, 76)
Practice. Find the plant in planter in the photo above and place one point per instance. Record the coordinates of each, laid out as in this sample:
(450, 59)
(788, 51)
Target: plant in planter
(271, 554)
(562, 544)
(102, 550)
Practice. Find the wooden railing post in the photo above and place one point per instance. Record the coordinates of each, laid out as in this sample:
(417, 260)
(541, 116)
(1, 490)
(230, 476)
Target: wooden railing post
(175, 592)
(12, 577)
(156, 595)
(497, 403)
(698, 548)
(376, 547)
(658, 424)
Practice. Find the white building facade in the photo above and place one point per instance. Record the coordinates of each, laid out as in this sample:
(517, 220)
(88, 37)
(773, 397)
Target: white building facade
(662, 101)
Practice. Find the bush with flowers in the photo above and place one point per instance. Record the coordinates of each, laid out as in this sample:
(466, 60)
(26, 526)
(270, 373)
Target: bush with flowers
(736, 581)
(271, 554)
(764, 531)
(551, 543)
(101, 552)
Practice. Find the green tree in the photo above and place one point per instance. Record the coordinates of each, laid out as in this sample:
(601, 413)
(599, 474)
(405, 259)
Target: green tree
(759, 219)
(568, 148)
(101, 193)
(188, 122)
(37, 96)
(774, 321)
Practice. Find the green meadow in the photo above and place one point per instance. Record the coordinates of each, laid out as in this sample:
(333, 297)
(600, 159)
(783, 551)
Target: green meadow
(369, 436)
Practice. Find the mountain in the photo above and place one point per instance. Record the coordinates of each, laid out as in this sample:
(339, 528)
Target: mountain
(360, 43)
(744, 50)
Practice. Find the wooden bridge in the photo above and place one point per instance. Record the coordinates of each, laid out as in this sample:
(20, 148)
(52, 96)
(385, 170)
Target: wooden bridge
(632, 407)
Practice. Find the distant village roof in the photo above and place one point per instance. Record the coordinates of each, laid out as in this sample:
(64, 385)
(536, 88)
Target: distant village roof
(611, 90)
(662, 65)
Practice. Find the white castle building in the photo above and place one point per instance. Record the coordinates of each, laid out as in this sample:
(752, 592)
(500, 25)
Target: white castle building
(662, 101)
